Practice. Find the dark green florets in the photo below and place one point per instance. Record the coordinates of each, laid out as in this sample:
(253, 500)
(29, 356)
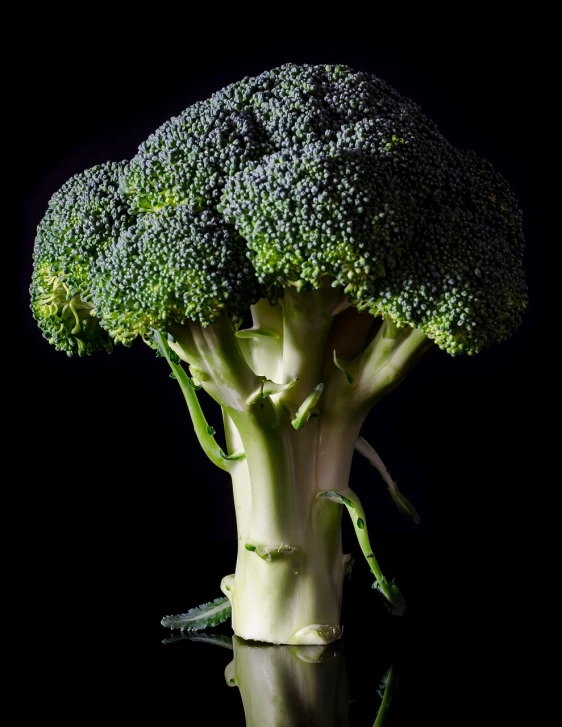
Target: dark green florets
(83, 218)
(461, 280)
(172, 266)
(298, 174)
(325, 171)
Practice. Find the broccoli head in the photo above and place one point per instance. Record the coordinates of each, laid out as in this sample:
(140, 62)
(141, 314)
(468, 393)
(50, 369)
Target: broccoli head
(326, 172)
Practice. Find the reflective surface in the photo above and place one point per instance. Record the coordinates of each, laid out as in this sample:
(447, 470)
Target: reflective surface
(458, 654)
(455, 654)
(294, 685)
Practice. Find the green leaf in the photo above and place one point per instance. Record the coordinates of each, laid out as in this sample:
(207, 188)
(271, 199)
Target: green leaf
(199, 618)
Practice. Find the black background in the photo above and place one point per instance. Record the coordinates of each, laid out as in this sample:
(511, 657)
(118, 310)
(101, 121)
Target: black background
(125, 519)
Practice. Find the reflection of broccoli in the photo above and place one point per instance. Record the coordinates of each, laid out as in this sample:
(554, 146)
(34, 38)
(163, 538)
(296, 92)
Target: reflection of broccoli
(332, 209)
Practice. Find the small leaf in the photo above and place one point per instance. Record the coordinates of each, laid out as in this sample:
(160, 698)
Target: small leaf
(201, 617)
(305, 409)
(404, 505)
(344, 366)
(197, 374)
(336, 497)
(269, 388)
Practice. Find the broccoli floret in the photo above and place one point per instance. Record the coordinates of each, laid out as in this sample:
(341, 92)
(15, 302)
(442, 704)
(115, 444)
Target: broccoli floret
(461, 280)
(172, 266)
(320, 202)
(83, 219)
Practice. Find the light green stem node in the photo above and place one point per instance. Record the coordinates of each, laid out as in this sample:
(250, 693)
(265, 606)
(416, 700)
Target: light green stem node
(227, 585)
(230, 674)
(401, 501)
(305, 410)
(270, 553)
(269, 388)
(355, 509)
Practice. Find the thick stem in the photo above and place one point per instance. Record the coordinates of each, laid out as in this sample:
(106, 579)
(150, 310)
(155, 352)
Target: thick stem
(287, 588)
(274, 509)
(288, 594)
(288, 583)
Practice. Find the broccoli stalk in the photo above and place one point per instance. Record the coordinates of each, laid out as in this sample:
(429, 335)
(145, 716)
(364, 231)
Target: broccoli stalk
(327, 206)
(287, 587)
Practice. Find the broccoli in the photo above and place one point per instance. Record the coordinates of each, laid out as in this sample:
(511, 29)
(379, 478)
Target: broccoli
(298, 241)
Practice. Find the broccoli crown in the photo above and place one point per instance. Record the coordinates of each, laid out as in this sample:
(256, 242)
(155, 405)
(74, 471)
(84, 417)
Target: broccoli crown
(83, 218)
(303, 173)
